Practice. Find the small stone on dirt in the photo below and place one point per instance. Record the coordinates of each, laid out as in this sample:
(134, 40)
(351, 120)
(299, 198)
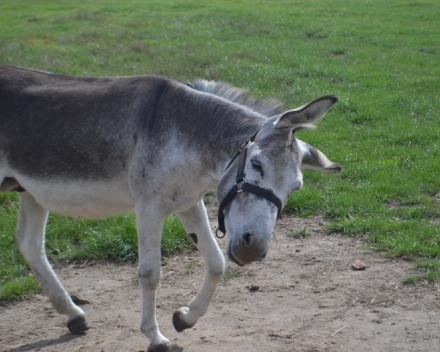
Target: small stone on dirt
(78, 301)
(358, 265)
(253, 288)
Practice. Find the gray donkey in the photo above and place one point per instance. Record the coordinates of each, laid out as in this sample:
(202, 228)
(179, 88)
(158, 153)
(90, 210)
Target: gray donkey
(93, 147)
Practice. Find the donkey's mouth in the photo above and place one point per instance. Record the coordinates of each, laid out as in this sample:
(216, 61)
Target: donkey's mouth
(231, 257)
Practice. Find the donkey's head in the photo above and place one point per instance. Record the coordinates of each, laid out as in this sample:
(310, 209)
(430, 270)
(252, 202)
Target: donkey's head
(266, 175)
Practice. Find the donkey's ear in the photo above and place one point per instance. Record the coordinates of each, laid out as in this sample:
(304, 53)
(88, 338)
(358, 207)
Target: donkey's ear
(315, 159)
(307, 114)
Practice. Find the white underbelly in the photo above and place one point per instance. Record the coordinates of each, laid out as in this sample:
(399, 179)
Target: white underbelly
(85, 199)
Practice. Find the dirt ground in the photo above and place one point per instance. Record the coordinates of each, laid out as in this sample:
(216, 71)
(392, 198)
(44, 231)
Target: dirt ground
(304, 297)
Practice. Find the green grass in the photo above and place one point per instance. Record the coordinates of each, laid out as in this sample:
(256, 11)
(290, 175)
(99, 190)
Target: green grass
(382, 58)
(19, 288)
(232, 272)
(299, 234)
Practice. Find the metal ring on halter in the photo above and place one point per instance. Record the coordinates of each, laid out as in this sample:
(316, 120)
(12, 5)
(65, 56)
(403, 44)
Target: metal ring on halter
(217, 231)
(242, 182)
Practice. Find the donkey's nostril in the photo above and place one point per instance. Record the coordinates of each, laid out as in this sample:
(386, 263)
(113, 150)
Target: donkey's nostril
(247, 237)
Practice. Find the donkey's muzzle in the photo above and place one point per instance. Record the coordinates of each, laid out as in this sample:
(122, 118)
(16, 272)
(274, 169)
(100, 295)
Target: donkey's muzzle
(231, 257)
(245, 249)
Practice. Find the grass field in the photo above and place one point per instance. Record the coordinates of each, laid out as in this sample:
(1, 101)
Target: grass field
(381, 57)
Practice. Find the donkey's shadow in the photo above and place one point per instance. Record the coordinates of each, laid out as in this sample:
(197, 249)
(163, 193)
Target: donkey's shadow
(45, 343)
(63, 339)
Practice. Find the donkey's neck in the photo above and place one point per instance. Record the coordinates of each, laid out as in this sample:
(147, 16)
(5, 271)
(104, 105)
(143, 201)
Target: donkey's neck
(219, 128)
(232, 146)
(197, 134)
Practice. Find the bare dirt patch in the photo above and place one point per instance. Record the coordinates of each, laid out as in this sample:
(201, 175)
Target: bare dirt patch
(304, 297)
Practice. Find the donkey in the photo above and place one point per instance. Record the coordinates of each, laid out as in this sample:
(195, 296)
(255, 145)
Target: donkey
(93, 147)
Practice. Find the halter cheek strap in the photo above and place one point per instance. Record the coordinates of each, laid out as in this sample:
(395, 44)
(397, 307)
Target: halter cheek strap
(241, 185)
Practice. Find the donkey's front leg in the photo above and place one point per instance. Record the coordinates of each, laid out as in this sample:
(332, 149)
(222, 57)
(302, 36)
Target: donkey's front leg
(149, 226)
(195, 220)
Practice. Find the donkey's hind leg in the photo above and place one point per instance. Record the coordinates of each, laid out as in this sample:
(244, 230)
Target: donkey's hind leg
(29, 238)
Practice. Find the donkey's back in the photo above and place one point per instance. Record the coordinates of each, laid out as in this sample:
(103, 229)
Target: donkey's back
(70, 141)
(62, 127)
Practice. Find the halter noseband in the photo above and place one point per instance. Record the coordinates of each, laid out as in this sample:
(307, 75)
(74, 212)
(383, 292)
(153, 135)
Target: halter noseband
(241, 185)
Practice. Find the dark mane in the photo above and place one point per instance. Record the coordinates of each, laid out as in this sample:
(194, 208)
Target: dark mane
(265, 107)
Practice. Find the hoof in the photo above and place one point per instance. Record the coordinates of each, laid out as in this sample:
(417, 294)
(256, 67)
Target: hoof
(158, 348)
(178, 322)
(78, 325)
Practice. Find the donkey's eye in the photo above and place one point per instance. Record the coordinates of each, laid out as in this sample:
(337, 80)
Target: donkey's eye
(257, 166)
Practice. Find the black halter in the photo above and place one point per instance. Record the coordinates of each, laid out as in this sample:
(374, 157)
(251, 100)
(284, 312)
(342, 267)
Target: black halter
(241, 185)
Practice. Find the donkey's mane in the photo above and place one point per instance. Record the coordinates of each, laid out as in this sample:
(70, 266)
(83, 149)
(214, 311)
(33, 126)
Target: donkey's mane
(266, 107)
